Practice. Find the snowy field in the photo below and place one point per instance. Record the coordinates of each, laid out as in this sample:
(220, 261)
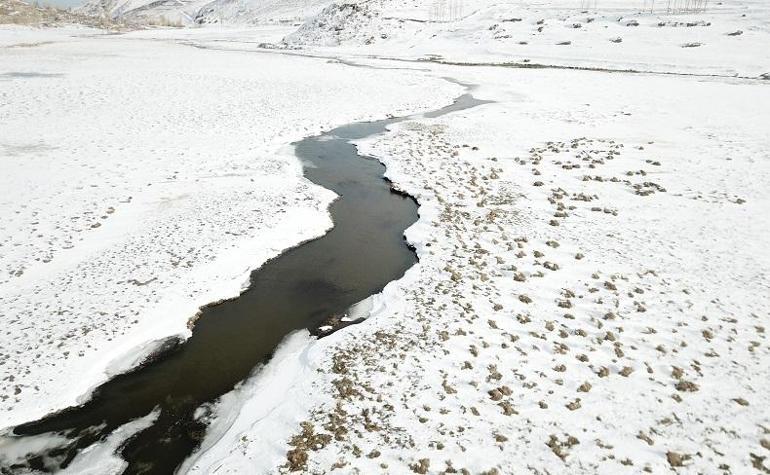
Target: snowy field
(609, 324)
(142, 179)
(592, 294)
(593, 287)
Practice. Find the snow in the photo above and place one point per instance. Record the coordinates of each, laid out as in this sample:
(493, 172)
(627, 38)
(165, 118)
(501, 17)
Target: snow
(17, 36)
(531, 33)
(144, 178)
(260, 11)
(592, 290)
(97, 459)
(674, 281)
(205, 12)
(100, 458)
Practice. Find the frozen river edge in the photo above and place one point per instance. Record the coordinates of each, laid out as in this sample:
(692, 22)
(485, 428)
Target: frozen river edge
(287, 205)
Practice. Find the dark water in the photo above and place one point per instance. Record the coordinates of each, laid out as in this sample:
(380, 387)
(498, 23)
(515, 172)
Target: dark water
(299, 289)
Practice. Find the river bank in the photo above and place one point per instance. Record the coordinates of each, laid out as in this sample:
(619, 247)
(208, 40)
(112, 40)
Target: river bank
(592, 285)
(140, 190)
(581, 253)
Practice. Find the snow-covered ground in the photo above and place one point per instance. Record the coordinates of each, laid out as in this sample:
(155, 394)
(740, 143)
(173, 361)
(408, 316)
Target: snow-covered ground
(728, 38)
(615, 323)
(142, 179)
(592, 290)
(592, 293)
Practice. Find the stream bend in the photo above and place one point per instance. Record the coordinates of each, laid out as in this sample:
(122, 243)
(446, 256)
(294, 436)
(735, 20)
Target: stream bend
(305, 287)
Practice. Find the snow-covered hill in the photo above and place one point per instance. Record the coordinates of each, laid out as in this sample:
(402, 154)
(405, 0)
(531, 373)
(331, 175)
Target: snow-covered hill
(619, 34)
(190, 12)
(170, 12)
(260, 11)
(18, 12)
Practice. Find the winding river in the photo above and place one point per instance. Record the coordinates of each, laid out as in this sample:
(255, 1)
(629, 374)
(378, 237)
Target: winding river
(301, 288)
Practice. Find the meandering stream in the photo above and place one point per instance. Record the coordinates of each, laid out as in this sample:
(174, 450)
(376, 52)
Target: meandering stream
(301, 288)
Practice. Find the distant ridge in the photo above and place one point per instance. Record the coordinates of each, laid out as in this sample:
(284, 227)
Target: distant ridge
(202, 12)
